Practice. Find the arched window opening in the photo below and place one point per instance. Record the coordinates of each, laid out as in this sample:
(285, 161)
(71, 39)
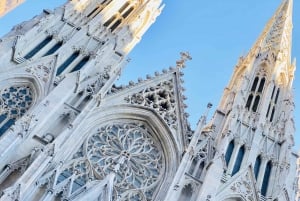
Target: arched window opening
(266, 179)
(272, 104)
(268, 110)
(92, 13)
(229, 152)
(15, 102)
(54, 48)
(254, 85)
(108, 22)
(261, 85)
(115, 25)
(256, 102)
(277, 95)
(257, 166)
(272, 114)
(121, 10)
(125, 15)
(81, 63)
(249, 101)
(106, 2)
(67, 62)
(239, 160)
(145, 169)
(273, 92)
(38, 47)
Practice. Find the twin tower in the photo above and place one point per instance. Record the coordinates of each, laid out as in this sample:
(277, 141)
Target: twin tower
(68, 133)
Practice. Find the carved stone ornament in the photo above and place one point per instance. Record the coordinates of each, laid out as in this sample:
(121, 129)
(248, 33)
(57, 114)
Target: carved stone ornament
(41, 71)
(161, 98)
(243, 186)
(14, 103)
(129, 150)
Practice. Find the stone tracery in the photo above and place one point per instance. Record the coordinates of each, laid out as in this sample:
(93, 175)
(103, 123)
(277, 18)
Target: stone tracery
(161, 98)
(130, 152)
(127, 150)
(14, 102)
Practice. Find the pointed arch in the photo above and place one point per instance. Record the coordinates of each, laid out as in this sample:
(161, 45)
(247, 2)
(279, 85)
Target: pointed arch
(81, 63)
(54, 48)
(261, 85)
(257, 166)
(67, 62)
(239, 160)
(229, 152)
(38, 47)
(254, 85)
(130, 119)
(266, 178)
(256, 102)
(19, 92)
(249, 101)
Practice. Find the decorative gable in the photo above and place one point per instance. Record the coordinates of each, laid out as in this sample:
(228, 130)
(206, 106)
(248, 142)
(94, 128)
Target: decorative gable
(163, 94)
(241, 185)
(161, 98)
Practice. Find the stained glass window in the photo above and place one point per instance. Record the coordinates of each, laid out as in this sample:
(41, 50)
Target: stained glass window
(239, 160)
(266, 179)
(229, 152)
(14, 102)
(257, 166)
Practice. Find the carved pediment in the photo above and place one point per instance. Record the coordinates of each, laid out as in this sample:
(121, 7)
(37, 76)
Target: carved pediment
(163, 94)
(242, 185)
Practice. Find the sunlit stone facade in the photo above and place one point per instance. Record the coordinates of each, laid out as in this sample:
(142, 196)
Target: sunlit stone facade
(67, 132)
(8, 5)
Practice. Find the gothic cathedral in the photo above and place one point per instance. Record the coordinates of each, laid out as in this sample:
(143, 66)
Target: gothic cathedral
(68, 133)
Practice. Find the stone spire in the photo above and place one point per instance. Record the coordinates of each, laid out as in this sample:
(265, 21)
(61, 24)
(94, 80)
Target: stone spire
(270, 56)
(277, 35)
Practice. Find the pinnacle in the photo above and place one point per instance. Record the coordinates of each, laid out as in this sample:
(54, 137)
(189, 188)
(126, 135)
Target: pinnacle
(276, 37)
(184, 56)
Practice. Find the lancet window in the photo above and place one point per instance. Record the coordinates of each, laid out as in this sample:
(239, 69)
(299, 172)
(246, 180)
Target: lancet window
(37, 48)
(14, 102)
(129, 150)
(81, 63)
(54, 48)
(255, 94)
(98, 9)
(239, 160)
(113, 23)
(257, 166)
(67, 62)
(229, 152)
(266, 179)
(272, 105)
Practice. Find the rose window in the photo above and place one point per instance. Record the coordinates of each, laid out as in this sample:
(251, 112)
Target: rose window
(14, 102)
(133, 154)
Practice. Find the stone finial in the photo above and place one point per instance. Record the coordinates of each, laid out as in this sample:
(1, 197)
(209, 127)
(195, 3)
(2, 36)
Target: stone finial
(184, 56)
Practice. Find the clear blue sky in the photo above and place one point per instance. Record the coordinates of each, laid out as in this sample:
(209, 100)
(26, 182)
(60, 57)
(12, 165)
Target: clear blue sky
(216, 33)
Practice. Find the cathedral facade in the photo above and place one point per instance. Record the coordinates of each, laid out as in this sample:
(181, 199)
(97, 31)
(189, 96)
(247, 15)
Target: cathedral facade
(67, 132)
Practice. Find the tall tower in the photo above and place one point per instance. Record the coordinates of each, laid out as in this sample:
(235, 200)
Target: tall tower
(8, 5)
(245, 151)
(55, 69)
(68, 133)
